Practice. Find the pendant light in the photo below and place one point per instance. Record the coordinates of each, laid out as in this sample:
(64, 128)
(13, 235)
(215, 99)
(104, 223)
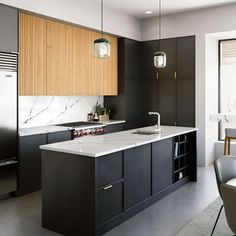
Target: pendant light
(102, 46)
(159, 56)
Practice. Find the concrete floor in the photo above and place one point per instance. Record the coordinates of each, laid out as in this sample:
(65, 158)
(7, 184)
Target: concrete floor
(22, 216)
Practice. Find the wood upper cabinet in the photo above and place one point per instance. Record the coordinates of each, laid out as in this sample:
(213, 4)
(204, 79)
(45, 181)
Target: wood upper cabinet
(32, 55)
(58, 59)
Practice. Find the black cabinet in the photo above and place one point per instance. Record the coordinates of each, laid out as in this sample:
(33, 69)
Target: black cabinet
(59, 136)
(114, 128)
(127, 105)
(109, 186)
(110, 202)
(132, 59)
(109, 168)
(149, 94)
(29, 171)
(167, 101)
(173, 91)
(29, 174)
(148, 71)
(185, 114)
(162, 165)
(8, 29)
(137, 166)
(186, 58)
(107, 190)
(132, 104)
(169, 47)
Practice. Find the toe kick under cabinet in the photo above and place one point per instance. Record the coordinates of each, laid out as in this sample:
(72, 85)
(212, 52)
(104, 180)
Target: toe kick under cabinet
(86, 196)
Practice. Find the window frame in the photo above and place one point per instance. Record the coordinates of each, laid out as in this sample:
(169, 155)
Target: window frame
(219, 82)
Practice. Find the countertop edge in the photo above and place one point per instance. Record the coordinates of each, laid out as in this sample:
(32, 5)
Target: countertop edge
(49, 148)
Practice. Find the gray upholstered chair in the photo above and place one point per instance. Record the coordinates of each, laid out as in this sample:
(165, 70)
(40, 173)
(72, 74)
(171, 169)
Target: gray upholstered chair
(229, 196)
(225, 169)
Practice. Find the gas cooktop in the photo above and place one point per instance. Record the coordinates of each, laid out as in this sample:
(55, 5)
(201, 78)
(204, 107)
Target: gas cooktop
(80, 124)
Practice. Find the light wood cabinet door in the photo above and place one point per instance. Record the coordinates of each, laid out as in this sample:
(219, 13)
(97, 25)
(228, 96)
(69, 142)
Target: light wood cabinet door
(59, 58)
(96, 68)
(32, 62)
(79, 81)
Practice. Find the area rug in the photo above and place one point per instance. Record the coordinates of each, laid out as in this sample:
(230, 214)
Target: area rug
(202, 225)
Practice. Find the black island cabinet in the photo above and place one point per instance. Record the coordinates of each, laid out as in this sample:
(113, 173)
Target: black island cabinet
(88, 196)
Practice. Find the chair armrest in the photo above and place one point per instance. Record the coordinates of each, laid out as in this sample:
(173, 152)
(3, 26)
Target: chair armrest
(229, 198)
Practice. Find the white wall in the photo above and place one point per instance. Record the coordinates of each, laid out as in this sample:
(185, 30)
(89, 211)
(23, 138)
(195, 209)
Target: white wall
(211, 102)
(85, 13)
(199, 23)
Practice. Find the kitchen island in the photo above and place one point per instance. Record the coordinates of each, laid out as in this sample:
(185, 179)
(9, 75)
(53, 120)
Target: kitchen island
(92, 184)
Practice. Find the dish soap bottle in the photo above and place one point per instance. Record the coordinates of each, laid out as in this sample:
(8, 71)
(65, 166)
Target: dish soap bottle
(95, 118)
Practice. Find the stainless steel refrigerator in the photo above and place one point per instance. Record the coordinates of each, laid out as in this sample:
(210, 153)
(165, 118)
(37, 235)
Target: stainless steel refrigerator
(8, 122)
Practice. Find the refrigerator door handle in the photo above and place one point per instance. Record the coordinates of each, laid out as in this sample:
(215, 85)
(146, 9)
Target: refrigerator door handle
(8, 162)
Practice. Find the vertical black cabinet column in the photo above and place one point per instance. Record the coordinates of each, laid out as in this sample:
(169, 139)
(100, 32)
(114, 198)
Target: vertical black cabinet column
(149, 82)
(166, 88)
(185, 115)
(127, 105)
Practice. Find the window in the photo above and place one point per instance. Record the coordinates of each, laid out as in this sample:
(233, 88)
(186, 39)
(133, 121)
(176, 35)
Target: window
(227, 83)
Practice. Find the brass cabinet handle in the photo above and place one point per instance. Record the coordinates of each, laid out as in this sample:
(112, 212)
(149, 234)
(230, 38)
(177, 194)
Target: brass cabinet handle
(175, 75)
(107, 187)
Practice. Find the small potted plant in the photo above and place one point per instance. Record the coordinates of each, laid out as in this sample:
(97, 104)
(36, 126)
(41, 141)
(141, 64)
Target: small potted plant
(103, 113)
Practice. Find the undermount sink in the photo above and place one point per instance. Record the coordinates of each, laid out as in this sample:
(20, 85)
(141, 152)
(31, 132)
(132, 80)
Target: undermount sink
(147, 132)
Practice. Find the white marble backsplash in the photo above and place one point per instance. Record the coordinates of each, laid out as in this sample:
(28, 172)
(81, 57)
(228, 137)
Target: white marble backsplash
(46, 110)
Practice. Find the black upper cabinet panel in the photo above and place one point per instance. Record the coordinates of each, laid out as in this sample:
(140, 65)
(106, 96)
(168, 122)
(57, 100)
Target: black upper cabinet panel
(132, 104)
(169, 47)
(132, 60)
(8, 29)
(186, 58)
(149, 72)
(149, 94)
(186, 103)
(167, 101)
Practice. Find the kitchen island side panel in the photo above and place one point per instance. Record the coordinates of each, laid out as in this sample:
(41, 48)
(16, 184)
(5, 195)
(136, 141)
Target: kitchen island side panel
(68, 193)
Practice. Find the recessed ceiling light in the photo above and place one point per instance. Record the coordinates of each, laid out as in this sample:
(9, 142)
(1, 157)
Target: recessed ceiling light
(148, 12)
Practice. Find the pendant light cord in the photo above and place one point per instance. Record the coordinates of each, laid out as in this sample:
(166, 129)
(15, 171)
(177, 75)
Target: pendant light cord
(102, 18)
(159, 22)
(160, 19)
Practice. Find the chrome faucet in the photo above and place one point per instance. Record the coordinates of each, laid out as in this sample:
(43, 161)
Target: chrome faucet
(157, 125)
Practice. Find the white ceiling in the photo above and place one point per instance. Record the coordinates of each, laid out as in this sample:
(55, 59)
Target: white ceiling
(138, 7)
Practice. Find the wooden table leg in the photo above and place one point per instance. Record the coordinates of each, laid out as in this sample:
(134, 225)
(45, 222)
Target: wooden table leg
(228, 146)
(225, 146)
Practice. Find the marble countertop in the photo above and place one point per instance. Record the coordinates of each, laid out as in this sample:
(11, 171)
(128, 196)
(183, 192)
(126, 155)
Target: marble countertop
(100, 145)
(42, 130)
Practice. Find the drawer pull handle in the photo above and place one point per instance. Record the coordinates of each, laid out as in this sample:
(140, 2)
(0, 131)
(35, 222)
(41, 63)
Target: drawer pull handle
(107, 187)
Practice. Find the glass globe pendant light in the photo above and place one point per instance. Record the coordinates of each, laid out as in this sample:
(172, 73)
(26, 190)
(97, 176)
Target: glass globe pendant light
(102, 46)
(159, 57)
